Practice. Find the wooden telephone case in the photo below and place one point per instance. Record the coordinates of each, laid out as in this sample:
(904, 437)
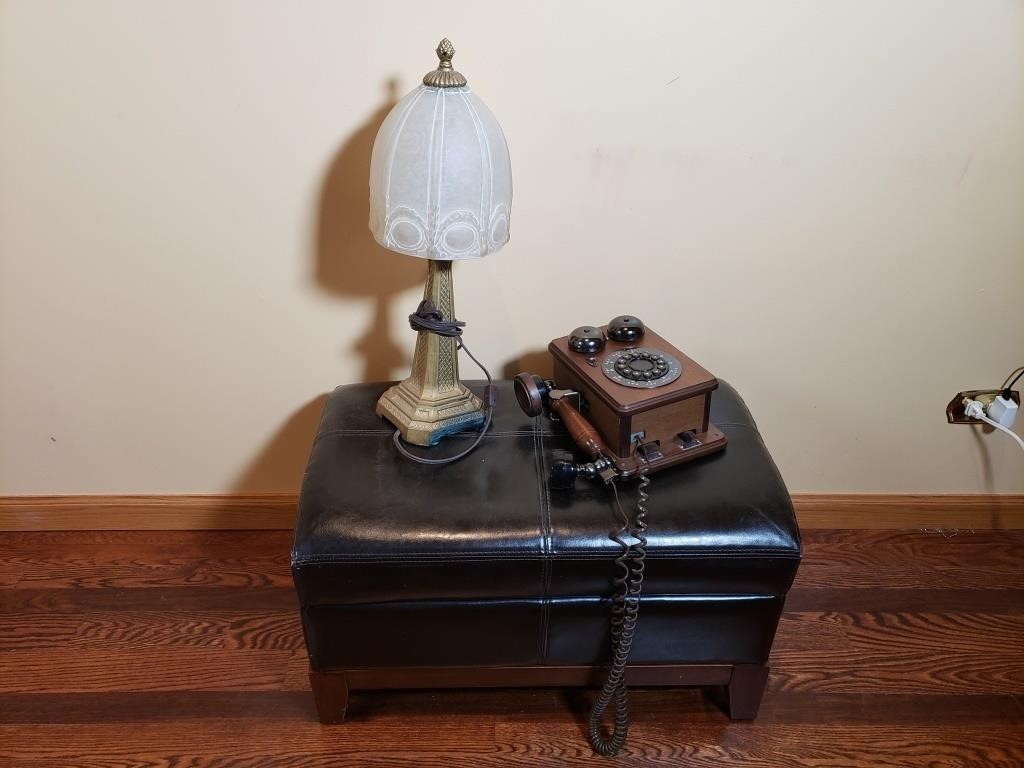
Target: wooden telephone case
(672, 420)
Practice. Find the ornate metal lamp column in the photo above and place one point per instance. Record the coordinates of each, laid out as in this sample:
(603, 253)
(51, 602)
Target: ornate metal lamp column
(432, 402)
(440, 189)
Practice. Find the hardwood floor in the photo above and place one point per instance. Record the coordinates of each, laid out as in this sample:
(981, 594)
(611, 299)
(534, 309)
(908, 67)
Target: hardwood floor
(898, 648)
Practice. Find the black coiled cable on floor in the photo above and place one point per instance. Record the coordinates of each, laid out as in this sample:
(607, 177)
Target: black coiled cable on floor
(625, 608)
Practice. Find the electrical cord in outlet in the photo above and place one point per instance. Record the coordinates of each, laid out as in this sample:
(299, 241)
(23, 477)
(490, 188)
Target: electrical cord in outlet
(1008, 385)
(975, 410)
(1002, 408)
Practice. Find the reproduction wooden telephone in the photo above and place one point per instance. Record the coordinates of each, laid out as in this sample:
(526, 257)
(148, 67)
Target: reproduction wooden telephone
(627, 397)
(634, 404)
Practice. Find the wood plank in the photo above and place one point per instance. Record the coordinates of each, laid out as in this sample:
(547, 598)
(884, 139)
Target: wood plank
(148, 512)
(101, 546)
(818, 573)
(863, 599)
(910, 511)
(438, 740)
(146, 669)
(270, 599)
(882, 672)
(240, 742)
(964, 642)
(912, 560)
(934, 710)
(155, 706)
(905, 653)
(129, 630)
(277, 511)
(934, 548)
(810, 631)
(105, 630)
(966, 634)
(29, 571)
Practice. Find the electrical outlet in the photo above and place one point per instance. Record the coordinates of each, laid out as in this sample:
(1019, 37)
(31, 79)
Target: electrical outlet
(955, 410)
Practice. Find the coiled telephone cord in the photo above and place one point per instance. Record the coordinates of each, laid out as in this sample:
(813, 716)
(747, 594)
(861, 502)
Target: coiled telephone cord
(625, 608)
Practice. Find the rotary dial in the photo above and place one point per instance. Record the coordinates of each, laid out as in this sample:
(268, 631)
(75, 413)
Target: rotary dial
(642, 367)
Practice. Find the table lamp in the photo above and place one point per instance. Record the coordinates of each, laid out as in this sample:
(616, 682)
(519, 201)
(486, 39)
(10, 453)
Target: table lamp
(440, 189)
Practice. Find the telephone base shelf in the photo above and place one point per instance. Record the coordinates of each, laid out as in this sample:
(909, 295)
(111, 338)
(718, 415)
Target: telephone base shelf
(710, 441)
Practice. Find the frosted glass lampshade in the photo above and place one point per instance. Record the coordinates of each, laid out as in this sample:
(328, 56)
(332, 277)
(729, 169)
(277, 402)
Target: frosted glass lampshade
(440, 177)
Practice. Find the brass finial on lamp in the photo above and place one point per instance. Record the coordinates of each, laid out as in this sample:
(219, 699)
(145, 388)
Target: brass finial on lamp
(440, 189)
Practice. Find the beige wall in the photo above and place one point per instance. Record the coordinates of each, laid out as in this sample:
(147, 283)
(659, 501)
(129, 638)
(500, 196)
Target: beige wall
(823, 202)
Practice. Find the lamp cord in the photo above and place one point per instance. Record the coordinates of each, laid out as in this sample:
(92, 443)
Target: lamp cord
(429, 318)
(1007, 387)
(625, 608)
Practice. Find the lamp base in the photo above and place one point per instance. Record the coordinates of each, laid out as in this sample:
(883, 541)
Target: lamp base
(432, 403)
(425, 420)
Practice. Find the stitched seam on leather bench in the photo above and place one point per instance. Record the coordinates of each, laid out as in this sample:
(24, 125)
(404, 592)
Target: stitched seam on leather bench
(492, 433)
(387, 433)
(546, 538)
(454, 559)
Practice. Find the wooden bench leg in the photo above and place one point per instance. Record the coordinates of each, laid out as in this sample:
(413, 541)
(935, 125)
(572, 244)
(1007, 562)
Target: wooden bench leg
(745, 689)
(330, 692)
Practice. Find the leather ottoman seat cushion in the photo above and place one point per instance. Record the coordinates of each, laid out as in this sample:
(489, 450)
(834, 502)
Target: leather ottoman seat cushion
(374, 528)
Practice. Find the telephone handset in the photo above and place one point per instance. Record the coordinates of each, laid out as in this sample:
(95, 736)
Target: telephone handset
(633, 404)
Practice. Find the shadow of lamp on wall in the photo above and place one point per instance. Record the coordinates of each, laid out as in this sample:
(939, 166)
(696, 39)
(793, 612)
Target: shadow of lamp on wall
(279, 465)
(349, 262)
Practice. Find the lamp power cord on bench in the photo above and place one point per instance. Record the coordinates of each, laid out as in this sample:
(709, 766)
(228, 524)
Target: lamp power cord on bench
(428, 317)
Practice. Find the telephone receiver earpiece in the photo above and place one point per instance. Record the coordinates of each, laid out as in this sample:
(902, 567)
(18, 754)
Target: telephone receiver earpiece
(534, 393)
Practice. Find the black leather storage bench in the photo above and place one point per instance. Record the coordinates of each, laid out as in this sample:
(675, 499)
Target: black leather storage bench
(478, 574)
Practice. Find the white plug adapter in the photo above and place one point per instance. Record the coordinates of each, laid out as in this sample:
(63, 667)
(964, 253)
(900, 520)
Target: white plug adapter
(973, 409)
(1003, 410)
